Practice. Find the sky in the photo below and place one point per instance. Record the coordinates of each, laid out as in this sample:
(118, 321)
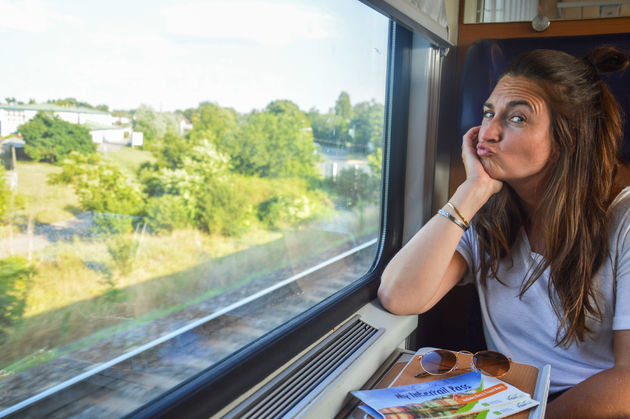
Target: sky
(174, 54)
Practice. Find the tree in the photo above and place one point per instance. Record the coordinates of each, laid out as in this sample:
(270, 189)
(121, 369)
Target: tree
(100, 186)
(322, 125)
(213, 123)
(49, 138)
(173, 150)
(368, 125)
(354, 187)
(343, 108)
(201, 167)
(154, 125)
(277, 142)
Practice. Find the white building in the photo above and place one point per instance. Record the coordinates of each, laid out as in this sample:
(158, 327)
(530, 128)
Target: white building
(184, 125)
(12, 116)
(104, 128)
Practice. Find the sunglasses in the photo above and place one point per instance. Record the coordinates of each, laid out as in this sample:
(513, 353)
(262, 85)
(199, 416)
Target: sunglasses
(442, 361)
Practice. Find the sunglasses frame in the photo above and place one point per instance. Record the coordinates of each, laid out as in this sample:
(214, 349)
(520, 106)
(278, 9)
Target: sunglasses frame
(456, 364)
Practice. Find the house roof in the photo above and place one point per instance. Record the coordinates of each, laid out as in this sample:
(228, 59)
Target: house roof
(94, 126)
(49, 107)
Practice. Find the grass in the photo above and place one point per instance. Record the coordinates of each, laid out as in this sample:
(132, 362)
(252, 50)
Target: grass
(46, 203)
(77, 297)
(43, 202)
(129, 159)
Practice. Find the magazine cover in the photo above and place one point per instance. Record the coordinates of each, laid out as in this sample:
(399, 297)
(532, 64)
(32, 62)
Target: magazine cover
(470, 395)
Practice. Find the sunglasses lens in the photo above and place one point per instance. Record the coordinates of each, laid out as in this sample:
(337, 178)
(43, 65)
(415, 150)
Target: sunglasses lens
(491, 363)
(439, 361)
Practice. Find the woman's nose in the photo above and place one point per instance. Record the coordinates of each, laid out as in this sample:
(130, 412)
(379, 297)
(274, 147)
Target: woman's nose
(490, 130)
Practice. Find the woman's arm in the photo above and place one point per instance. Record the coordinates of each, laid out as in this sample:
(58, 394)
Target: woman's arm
(427, 267)
(604, 395)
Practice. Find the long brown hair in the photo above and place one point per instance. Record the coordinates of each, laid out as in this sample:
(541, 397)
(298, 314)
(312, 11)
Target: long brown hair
(586, 130)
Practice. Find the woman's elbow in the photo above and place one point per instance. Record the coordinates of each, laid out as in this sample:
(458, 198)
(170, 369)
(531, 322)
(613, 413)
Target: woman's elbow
(388, 299)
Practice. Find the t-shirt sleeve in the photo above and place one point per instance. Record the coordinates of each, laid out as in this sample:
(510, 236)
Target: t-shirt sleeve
(621, 318)
(467, 249)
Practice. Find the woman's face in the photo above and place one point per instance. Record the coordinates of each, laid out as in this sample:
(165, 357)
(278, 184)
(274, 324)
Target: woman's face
(514, 142)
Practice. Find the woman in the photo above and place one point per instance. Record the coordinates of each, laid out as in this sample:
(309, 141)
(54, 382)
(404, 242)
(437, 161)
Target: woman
(553, 230)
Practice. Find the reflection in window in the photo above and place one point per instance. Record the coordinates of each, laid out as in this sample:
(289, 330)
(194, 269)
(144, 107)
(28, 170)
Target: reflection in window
(177, 180)
(488, 11)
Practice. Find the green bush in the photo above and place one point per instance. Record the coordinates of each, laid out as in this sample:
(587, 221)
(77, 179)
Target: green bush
(112, 224)
(122, 249)
(15, 273)
(52, 139)
(354, 187)
(224, 209)
(5, 193)
(166, 213)
(290, 204)
(101, 187)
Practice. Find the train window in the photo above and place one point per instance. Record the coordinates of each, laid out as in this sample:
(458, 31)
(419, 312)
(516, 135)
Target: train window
(179, 178)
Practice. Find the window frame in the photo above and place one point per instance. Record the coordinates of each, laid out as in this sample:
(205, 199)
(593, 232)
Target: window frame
(210, 390)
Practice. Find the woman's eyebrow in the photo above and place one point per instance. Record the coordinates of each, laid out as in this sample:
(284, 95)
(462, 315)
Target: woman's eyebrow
(516, 103)
(512, 104)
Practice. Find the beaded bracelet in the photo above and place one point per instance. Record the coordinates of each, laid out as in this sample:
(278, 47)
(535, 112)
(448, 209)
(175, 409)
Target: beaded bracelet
(453, 219)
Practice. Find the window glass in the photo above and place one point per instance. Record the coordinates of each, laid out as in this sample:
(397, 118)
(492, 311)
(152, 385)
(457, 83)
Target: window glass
(178, 178)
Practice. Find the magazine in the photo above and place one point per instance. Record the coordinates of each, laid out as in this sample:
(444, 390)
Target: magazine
(469, 395)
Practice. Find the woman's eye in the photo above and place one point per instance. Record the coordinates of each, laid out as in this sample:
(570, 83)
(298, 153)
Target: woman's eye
(517, 119)
(488, 114)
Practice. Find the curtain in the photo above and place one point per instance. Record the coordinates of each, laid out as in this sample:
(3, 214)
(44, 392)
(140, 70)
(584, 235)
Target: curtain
(427, 17)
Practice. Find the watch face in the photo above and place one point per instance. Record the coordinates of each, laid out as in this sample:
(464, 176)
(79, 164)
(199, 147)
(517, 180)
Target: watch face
(540, 23)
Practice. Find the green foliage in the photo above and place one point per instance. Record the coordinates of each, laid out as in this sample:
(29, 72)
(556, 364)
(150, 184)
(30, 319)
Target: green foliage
(290, 203)
(167, 213)
(224, 209)
(343, 108)
(70, 101)
(368, 124)
(375, 161)
(5, 193)
(154, 125)
(359, 128)
(202, 191)
(355, 187)
(100, 186)
(111, 224)
(52, 139)
(15, 273)
(122, 249)
(276, 142)
(173, 150)
(213, 123)
(322, 125)
(205, 179)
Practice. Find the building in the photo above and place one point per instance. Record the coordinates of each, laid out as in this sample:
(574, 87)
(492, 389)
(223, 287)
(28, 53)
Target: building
(104, 128)
(184, 125)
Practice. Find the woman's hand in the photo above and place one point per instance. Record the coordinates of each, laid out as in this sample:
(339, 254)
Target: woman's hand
(475, 172)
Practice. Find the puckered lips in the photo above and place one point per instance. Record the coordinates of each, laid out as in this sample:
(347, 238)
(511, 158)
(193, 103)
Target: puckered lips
(483, 150)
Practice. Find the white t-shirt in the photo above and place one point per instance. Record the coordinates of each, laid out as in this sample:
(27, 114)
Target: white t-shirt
(525, 328)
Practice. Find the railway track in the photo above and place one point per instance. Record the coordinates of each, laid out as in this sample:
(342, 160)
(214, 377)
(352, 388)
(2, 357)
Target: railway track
(167, 351)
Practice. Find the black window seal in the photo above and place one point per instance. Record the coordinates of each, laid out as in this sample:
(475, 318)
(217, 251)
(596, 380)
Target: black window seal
(209, 391)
